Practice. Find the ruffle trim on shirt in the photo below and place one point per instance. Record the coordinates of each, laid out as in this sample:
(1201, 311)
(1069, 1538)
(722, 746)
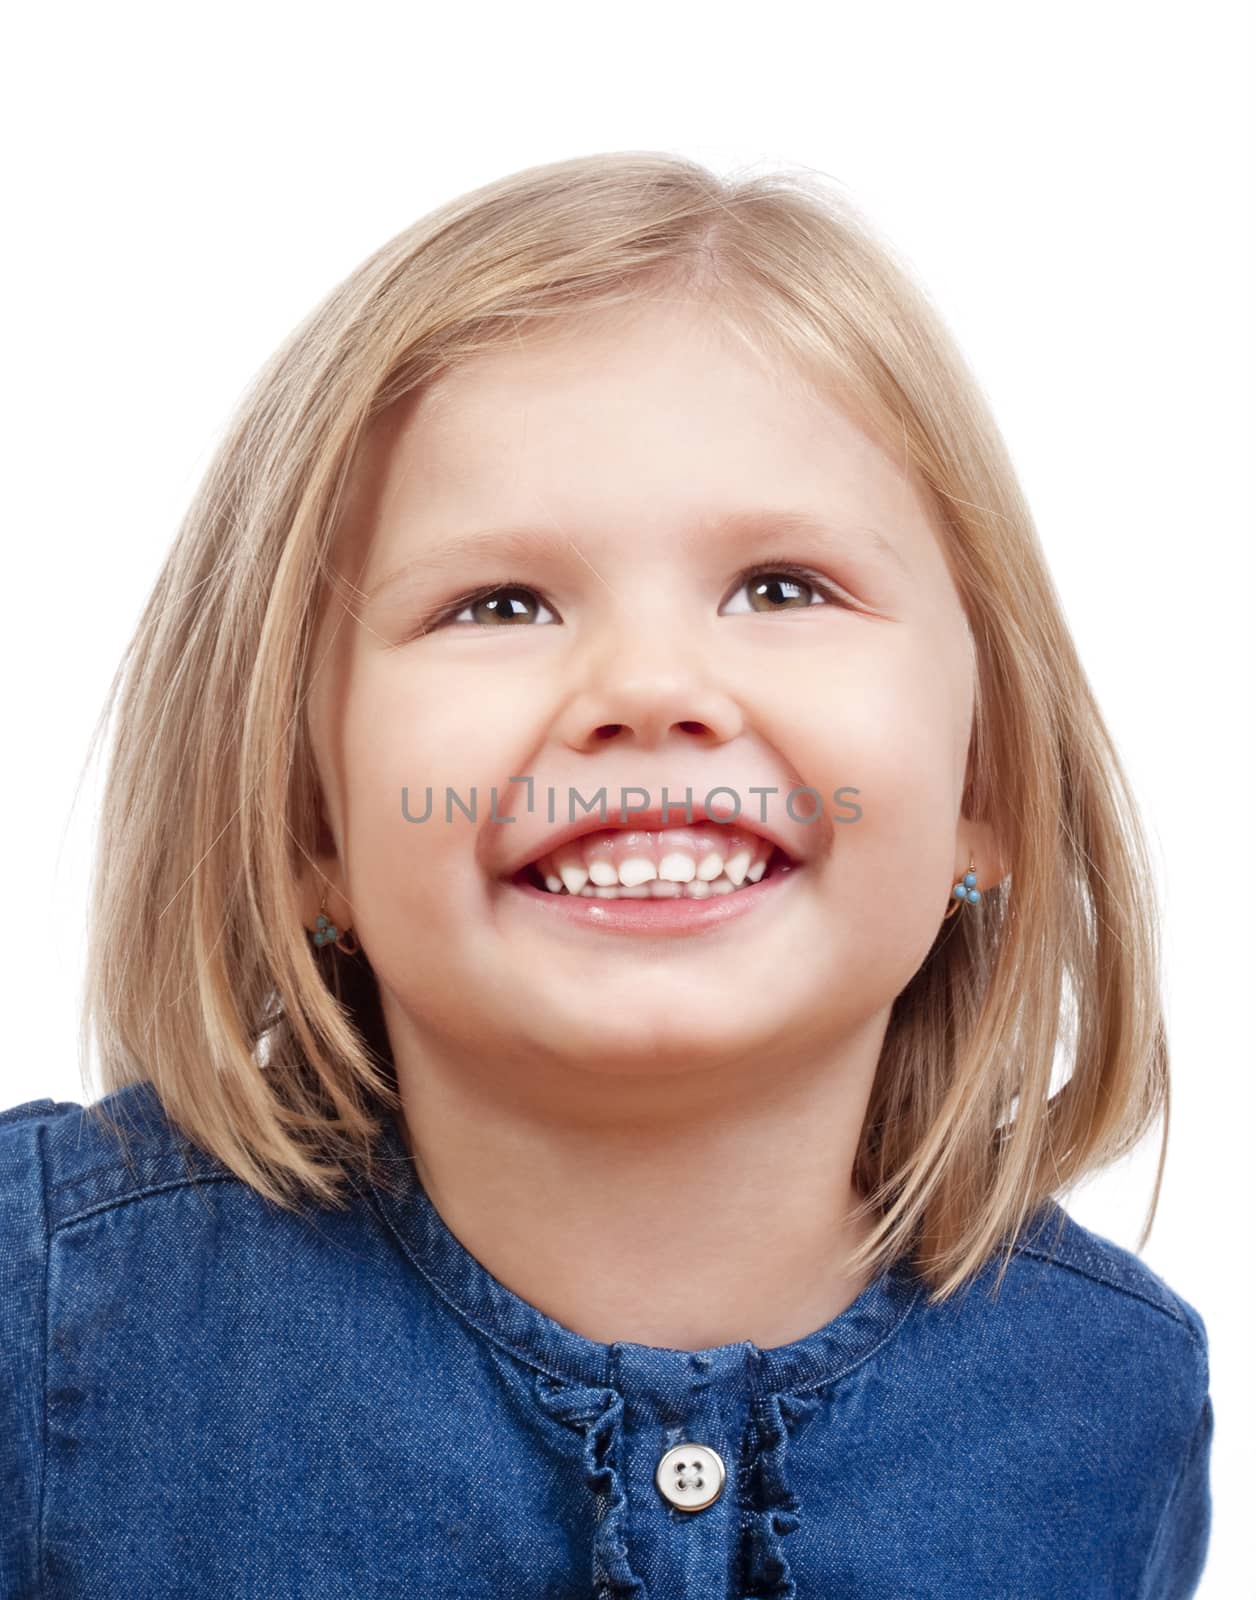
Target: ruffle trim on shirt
(766, 1566)
(599, 1413)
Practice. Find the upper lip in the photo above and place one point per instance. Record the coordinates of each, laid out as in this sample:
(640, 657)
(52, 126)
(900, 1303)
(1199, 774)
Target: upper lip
(652, 820)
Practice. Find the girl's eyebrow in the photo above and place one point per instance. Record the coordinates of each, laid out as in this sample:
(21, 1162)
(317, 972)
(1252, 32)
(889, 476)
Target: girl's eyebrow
(544, 544)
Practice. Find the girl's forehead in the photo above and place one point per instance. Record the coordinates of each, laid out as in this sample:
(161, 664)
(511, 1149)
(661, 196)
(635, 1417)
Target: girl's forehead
(601, 422)
(492, 438)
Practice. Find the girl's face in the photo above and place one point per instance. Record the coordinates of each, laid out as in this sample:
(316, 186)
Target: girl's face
(645, 655)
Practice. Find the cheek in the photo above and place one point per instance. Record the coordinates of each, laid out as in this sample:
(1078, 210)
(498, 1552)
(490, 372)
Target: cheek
(886, 720)
(403, 732)
(887, 725)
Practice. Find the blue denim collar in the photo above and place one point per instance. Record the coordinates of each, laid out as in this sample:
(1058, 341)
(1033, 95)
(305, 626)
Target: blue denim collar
(654, 1372)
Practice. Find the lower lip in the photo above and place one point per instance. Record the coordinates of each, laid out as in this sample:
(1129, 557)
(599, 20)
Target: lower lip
(675, 916)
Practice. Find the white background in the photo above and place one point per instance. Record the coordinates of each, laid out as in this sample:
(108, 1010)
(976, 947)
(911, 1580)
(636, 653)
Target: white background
(1072, 183)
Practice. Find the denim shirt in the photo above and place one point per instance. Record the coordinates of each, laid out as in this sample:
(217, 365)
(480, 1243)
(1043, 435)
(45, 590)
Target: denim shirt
(202, 1394)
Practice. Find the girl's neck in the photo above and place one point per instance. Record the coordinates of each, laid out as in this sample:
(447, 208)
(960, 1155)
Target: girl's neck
(729, 1222)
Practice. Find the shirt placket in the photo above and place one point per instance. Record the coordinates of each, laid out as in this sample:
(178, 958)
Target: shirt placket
(686, 1462)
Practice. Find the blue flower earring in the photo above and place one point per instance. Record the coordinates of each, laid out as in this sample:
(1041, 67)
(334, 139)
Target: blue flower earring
(325, 932)
(965, 891)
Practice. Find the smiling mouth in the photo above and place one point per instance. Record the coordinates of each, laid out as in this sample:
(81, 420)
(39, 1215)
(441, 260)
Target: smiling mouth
(777, 865)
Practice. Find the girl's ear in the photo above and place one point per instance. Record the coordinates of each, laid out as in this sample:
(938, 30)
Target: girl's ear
(978, 840)
(322, 875)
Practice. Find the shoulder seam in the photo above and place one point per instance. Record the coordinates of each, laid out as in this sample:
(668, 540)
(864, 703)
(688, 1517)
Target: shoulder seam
(1117, 1288)
(29, 1110)
(141, 1193)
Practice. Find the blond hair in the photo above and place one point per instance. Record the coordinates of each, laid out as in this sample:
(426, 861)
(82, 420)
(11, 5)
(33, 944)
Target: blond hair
(201, 977)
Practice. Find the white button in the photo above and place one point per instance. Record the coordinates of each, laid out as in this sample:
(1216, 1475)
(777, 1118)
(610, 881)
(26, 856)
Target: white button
(690, 1476)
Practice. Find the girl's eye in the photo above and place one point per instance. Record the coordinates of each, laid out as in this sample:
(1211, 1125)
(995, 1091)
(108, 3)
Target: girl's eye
(777, 589)
(774, 589)
(500, 605)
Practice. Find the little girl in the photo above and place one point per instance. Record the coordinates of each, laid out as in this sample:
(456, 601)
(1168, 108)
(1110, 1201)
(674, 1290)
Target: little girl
(580, 1114)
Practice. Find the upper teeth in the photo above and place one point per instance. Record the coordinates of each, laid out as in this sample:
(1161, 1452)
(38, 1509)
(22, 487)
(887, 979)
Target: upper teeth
(708, 859)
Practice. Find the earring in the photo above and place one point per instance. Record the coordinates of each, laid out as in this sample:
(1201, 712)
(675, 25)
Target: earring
(965, 891)
(325, 932)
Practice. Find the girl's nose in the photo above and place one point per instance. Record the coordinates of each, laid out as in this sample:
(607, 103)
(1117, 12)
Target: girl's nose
(647, 691)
